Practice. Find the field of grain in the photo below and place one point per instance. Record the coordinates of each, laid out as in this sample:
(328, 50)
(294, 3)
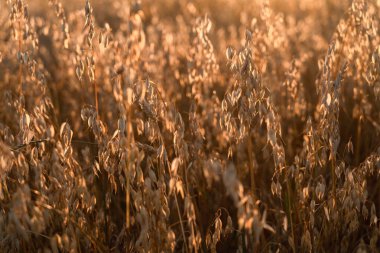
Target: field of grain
(189, 126)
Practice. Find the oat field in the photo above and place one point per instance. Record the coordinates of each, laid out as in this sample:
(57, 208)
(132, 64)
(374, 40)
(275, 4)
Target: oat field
(189, 126)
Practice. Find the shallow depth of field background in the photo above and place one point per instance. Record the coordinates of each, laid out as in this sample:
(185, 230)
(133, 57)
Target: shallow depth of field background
(189, 126)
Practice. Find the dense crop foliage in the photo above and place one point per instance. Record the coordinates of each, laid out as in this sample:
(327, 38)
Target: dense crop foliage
(189, 126)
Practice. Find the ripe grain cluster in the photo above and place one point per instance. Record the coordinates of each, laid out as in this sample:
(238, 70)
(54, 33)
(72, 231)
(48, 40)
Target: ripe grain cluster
(189, 126)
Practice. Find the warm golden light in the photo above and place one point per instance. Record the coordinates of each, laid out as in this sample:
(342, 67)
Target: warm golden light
(189, 126)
